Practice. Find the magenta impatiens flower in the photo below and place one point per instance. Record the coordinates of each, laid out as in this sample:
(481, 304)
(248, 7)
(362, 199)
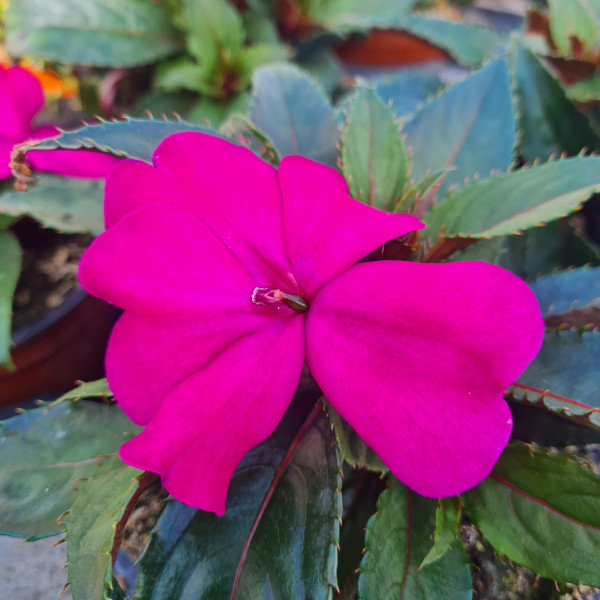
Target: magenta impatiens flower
(232, 274)
(21, 98)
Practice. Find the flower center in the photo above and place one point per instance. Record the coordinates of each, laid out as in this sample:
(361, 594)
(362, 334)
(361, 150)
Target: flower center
(268, 296)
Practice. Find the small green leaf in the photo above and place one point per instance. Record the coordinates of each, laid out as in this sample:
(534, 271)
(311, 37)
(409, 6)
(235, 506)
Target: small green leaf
(563, 377)
(417, 191)
(516, 201)
(182, 74)
(256, 56)
(373, 157)
(91, 525)
(130, 138)
(571, 290)
(549, 122)
(543, 511)
(354, 451)
(295, 113)
(215, 33)
(571, 20)
(103, 33)
(447, 520)
(68, 205)
(585, 90)
(452, 132)
(10, 267)
(467, 44)
(282, 545)
(43, 452)
(242, 130)
(90, 389)
(397, 541)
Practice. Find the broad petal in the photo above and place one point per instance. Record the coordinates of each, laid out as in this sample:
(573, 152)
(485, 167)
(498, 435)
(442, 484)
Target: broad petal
(416, 358)
(163, 260)
(21, 97)
(133, 184)
(70, 163)
(325, 230)
(211, 419)
(147, 356)
(238, 198)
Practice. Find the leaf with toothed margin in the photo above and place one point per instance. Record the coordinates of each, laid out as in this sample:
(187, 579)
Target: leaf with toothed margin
(43, 451)
(415, 192)
(354, 451)
(570, 299)
(373, 158)
(278, 537)
(102, 33)
(585, 90)
(447, 520)
(452, 132)
(563, 378)
(397, 541)
(543, 511)
(102, 503)
(516, 201)
(468, 44)
(538, 251)
(86, 389)
(68, 205)
(129, 138)
(295, 113)
(549, 122)
(10, 267)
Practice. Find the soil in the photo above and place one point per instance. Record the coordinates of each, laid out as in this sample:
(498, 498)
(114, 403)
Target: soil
(49, 271)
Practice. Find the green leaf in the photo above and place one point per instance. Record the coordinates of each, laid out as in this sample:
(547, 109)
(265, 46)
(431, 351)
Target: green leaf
(563, 377)
(10, 267)
(585, 90)
(407, 90)
(131, 138)
(103, 33)
(92, 523)
(256, 56)
(43, 452)
(543, 511)
(397, 541)
(282, 545)
(68, 205)
(453, 132)
(417, 191)
(373, 157)
(90, 389)
(215, 33)
(447, 520)
(516, 201)
(354, 451)
(570, 20)
(324, 67)
(537, 251)
(467, 44)
(295, 113)
(571, 290)
(242, 130)
(549, 122)
(344, 16)
(182, 74)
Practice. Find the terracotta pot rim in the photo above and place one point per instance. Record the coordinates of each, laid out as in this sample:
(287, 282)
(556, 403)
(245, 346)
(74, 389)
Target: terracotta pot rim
(45, 321)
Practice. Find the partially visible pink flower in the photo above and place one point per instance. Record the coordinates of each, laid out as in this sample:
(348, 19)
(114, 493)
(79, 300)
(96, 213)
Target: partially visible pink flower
(21, 98)
(232, 274)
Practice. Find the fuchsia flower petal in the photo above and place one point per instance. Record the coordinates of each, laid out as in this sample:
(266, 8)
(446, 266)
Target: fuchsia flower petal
(21, 98)
(325, 230)
(416, 357)
(174, 347)
(133, 184)
(163, 260)
(238, 198)
(6, 148)
(71, 163)
(208, 422)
